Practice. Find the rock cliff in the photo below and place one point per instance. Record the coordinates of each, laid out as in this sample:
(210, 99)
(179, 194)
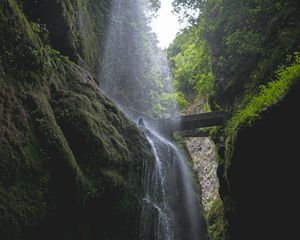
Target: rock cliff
(70, 161)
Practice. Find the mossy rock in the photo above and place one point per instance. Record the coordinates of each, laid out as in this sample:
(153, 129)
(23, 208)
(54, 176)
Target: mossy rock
(75, 28)
(71, 162)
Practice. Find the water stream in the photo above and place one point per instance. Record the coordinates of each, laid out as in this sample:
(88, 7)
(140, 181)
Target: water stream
(170, 206)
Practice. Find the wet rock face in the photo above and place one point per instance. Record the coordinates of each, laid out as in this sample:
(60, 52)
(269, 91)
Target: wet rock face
(205, 164)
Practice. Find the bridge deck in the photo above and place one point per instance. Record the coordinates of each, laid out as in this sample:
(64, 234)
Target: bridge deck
(189, 122)
(183, 123)
(200, 120)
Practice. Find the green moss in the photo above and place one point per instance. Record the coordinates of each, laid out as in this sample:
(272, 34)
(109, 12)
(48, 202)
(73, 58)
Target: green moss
(216, 222)
(57, 146)
(2, 81)
(200, 132)
(74, 28)
(66, 151)
(87, 28)
(21, 51)
(114, 178)
(22, 21)
(24, 180)
(269, 95)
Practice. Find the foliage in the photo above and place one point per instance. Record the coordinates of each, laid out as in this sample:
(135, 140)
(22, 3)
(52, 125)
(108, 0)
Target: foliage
(166, 104)
(54, 56)
(155, 5)
(191, 62)
(231, 56)
(249, 41)
(36, 27)
(246, 42)
(188, 9)
(269, 94)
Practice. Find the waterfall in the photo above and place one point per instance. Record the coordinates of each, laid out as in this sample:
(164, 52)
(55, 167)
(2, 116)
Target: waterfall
(170, 203)
(135, 73)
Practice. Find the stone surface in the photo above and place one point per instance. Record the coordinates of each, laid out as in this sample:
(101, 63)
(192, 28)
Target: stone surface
(204, 160)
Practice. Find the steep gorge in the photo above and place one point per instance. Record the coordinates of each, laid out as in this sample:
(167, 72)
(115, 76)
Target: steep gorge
(72, 164)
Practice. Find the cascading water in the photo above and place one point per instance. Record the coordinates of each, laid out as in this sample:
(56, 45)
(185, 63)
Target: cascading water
(170, 208)
(170, 204)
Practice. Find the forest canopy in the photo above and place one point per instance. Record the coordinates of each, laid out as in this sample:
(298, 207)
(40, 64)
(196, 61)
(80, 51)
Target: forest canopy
(233, 47)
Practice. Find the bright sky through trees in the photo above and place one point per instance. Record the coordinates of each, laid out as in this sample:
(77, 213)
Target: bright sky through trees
(166, 24)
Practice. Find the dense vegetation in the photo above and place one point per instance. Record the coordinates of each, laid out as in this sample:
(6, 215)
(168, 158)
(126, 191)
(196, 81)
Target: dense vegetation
(268, 95)
(233, 48)
(191, 62)
(239, 56)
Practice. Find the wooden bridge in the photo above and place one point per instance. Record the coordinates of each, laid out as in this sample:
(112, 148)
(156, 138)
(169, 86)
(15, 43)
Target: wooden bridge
(168, 126)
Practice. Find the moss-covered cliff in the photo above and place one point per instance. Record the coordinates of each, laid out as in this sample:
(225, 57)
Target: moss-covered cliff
(76, 28)
(70, 162)
(259, 158)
